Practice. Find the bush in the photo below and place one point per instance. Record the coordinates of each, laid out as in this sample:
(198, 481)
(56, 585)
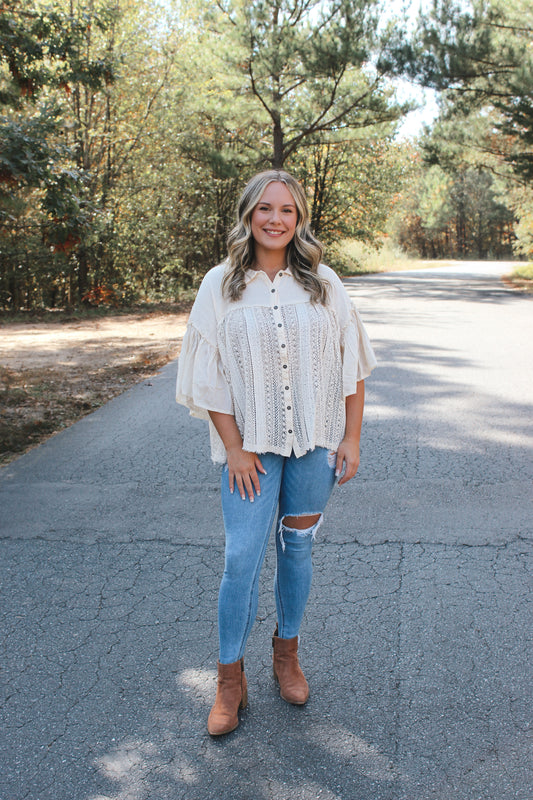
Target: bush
(523, 272)
(354, 257)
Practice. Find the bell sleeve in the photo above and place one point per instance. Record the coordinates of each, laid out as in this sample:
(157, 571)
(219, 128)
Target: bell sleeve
(201, 384)
(358, 359)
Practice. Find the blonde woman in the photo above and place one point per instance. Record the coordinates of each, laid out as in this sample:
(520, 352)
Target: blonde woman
(275, 357)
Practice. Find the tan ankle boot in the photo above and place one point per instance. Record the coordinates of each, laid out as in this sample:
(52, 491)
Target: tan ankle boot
(232, 694)
(293, 687)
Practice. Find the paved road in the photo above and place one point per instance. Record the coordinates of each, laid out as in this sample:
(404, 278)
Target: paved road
(416, 642)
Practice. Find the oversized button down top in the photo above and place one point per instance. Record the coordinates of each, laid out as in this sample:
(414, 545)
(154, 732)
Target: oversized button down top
(281, 364)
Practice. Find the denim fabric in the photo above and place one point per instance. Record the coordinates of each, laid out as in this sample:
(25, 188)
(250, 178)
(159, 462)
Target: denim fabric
(292, 487)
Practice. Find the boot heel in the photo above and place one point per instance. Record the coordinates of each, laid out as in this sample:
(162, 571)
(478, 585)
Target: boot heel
(244, 699)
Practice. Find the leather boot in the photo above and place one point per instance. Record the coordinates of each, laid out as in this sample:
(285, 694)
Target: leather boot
(232, 694)
(293, 687)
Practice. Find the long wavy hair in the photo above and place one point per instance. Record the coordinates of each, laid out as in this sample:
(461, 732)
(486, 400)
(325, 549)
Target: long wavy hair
(304, 251)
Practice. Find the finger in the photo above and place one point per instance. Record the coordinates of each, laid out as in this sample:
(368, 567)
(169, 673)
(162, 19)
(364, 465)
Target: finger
(259, 466)
(255, 480)
(349, 472)
(345, 478)
(231, 482)
(339, 464)
(240, 487)
(249, 488)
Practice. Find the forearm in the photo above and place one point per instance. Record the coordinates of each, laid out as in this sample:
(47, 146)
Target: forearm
(355, 404)
(348, 451)
(227, 429)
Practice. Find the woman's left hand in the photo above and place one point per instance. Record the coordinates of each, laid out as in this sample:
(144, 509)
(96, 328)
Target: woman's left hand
(347, 458)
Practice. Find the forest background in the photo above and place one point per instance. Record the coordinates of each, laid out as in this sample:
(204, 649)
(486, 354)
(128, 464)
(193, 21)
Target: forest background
(128, 128)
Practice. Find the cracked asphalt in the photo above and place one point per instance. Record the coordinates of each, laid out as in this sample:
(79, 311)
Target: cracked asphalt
(417, 638)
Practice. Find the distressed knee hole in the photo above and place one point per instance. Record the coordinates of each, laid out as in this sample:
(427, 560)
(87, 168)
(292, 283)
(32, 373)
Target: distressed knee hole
(287, 523)
(301, 522)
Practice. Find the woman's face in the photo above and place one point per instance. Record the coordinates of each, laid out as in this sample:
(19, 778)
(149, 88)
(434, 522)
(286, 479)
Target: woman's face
(274, 220)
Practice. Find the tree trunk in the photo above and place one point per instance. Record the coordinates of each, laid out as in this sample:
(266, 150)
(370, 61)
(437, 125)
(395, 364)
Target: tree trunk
(83, 273)
(278, 157)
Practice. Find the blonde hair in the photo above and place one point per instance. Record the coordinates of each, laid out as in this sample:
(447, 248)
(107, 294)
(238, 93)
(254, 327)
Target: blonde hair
(304, 251)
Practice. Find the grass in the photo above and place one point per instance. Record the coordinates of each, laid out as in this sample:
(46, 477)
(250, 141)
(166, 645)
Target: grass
(84, 312)
(521, 278)
(525, 272)
(353, 257)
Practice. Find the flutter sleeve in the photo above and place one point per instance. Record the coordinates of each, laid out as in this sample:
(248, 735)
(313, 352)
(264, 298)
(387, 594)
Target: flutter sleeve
(201, 384)
(358, 359)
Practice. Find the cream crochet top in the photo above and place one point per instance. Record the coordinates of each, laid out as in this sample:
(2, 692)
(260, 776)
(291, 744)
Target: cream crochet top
(279, 363)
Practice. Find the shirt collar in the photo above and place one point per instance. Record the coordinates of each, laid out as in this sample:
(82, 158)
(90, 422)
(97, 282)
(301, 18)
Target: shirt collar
(252, 274)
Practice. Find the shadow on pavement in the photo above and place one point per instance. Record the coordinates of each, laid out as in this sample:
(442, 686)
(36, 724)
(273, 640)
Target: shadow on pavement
(416, 638)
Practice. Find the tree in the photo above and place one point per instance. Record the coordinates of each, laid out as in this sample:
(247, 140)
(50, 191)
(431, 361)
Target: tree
(133, 125)
(352, 185)
(313, 67)
(455, 212)
(479, 54)
(39, 184)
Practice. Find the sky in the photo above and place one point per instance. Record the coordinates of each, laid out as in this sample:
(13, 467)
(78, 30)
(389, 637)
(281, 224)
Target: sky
(413, 123)
(426, 99)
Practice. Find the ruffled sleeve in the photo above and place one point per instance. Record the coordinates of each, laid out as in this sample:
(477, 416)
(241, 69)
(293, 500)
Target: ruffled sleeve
(201, 384)
(358, 359)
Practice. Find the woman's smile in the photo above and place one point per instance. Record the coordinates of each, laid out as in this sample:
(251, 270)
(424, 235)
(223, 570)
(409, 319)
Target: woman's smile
(274, 221)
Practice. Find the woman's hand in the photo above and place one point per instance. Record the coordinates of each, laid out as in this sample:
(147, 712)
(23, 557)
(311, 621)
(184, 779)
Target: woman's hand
(243, 468)
(347, 458)
(348, 451)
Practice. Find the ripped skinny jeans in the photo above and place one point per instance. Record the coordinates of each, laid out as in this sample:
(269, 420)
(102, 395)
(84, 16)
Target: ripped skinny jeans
(292, 487)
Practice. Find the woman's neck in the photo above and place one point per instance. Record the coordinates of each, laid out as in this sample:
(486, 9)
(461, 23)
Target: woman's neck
(270, 261)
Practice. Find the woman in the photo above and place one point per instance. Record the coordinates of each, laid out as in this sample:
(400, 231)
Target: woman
(275, 356)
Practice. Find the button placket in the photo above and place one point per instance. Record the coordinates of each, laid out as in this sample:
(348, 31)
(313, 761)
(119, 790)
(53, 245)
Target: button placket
(282, 342)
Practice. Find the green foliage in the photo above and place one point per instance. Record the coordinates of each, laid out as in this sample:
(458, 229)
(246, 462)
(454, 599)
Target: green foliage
(454, 213)
(310, 68)
(352, 185)
(128, 130)
(522, 203)
(41, 47)
(479, 53)
(525, 272)
(43, 215)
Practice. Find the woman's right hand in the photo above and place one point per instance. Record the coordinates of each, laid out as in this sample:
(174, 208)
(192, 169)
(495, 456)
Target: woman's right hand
(243, 467)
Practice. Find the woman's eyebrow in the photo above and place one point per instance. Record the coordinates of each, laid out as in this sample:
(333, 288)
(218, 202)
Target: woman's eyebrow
(284, 205)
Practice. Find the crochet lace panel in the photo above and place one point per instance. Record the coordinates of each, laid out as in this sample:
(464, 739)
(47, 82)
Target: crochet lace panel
(285, 371)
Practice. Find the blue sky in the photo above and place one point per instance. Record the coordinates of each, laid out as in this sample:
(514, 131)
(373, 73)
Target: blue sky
(426, 98)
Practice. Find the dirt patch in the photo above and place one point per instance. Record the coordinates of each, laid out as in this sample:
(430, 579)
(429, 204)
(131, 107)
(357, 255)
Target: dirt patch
(521, 284)
(53, 373)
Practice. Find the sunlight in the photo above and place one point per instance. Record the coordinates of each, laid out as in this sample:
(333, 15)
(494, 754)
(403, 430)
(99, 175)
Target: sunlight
(201, 681)
(128, 765)
(366, 758)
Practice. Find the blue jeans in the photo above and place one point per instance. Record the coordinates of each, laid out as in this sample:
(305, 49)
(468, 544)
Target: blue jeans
(292, 487)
